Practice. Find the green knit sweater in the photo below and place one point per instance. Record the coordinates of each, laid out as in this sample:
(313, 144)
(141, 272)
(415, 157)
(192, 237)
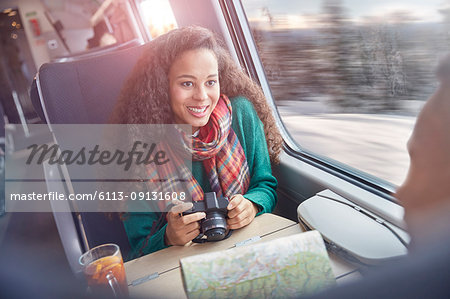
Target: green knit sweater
(250, 132)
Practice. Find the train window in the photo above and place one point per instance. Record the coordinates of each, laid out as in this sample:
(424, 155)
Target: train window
(349, 77)
(157, 16)
(79, 28)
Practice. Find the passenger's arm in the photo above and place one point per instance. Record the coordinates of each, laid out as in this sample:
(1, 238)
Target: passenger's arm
(138, 226)
(250, 131)
(262, 190)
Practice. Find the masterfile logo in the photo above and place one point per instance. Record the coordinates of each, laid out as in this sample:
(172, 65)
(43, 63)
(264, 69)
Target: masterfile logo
(140, 153)
(99, 168)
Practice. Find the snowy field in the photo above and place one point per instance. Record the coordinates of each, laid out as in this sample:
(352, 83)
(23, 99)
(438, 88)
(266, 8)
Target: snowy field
(373, 143)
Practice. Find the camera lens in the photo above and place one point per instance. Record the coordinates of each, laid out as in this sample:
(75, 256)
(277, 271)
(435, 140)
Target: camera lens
(214, 226)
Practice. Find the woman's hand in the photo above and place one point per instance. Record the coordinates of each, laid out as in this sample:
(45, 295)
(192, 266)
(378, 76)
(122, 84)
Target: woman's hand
(182, 229)
(241, 212)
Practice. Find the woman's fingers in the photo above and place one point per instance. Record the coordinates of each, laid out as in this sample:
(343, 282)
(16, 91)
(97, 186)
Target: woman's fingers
(180, 207)
(236, 205)
(187, 233)
(235, 200)
(238, 223)
(180, 222)
(241, 212)
(186, 219)
(190, 236)
(180, 229)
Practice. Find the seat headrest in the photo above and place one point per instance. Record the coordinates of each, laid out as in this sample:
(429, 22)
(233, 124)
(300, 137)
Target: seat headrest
(85, 91)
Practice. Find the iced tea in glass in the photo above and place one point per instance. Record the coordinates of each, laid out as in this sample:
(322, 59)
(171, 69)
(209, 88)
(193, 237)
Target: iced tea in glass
(104, 271)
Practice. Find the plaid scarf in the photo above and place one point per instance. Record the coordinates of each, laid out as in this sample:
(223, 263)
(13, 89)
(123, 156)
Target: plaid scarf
(223, 157)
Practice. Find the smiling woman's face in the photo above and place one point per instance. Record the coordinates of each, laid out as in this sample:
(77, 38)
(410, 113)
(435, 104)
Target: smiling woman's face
(194, 87)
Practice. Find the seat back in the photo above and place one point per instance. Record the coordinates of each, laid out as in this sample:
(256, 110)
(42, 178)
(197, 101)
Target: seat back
(99, 51)
(69, 229)
(84, 91)
(36, 101)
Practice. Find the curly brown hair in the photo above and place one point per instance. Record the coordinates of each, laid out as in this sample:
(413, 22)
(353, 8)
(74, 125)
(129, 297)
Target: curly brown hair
(144, 98)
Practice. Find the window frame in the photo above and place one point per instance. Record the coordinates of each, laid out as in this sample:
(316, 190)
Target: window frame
(135, 5)
(242, 38)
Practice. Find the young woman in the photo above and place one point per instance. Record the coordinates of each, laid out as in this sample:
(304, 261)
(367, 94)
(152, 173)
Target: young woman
(187, 77)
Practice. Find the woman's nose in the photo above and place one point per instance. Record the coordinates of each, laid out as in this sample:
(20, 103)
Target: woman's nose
(200, 93)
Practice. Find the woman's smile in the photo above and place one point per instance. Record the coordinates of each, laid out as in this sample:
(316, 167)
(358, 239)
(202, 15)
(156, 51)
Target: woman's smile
(198, 111)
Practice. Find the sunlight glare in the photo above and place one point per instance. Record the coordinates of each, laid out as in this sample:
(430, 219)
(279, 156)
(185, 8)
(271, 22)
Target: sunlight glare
(158, 16)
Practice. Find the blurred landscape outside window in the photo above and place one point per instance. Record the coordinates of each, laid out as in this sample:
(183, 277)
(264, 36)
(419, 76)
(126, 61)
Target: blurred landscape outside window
(348, 76)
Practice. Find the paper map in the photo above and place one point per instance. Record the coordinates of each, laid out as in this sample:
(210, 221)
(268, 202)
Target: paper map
(285, 267)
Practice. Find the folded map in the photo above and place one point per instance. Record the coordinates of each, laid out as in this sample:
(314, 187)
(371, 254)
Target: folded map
(286, 267)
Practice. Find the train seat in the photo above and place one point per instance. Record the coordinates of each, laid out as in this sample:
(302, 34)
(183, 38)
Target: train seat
(83, 91)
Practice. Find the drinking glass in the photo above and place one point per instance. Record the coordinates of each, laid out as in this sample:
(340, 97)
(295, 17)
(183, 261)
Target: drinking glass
(104, 271)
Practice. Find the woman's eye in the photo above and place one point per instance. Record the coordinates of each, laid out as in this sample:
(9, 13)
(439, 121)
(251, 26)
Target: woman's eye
(211, 83)
(187, 84)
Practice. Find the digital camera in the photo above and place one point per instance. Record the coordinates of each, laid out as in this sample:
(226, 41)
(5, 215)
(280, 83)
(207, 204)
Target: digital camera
(214, 225)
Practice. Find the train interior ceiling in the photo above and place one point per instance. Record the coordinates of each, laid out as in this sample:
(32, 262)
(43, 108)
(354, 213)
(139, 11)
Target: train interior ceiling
(38, 32)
